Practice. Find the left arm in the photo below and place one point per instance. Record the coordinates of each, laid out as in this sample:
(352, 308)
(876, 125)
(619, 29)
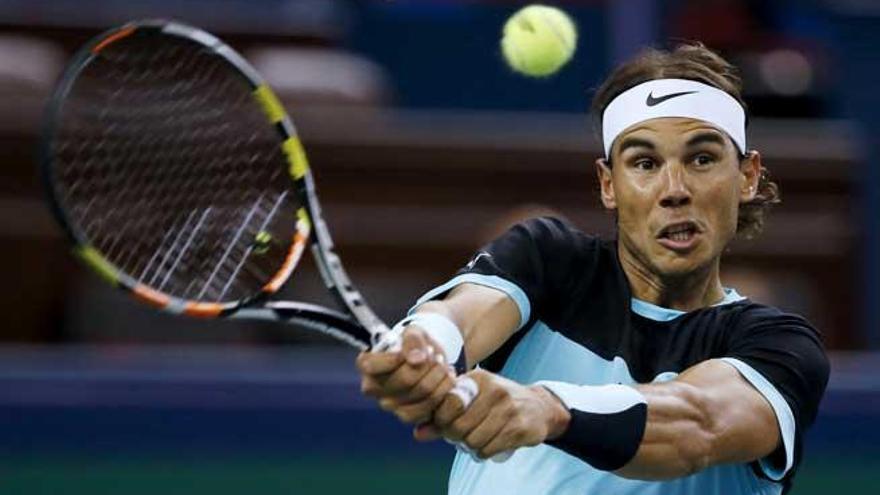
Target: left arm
(708, 415)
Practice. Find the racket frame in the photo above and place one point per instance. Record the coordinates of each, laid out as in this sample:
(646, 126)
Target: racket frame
(362, 329)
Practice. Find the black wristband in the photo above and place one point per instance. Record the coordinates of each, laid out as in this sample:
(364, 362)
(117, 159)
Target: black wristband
(604, 441)
(607, 423)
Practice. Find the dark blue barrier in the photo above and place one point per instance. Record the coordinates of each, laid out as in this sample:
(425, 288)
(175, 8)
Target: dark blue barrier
(229, 402)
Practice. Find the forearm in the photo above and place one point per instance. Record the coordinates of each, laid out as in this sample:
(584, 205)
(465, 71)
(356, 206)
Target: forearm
(485, 317)
(647, 432)
(709, 415)
(680, 434)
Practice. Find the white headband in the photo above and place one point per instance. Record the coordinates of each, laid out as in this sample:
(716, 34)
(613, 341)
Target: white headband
(674, 98)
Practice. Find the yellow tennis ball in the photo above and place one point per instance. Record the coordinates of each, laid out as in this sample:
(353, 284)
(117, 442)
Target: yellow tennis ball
(538, 40)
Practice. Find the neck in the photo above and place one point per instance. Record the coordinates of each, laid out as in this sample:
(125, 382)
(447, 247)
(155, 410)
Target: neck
(688, 292)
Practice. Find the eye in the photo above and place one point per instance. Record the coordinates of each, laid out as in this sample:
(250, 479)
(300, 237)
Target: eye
(704, 159)
(645, 164)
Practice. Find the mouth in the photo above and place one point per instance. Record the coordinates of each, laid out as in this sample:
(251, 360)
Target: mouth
(679, 236)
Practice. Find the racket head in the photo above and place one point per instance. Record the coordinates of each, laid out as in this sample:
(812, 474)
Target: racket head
(175, 171)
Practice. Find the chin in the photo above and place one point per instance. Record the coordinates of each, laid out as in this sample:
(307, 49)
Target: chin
(674, 270)
(679, 266)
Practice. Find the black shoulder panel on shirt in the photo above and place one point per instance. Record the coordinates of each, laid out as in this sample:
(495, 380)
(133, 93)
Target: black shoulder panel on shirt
(554, 264)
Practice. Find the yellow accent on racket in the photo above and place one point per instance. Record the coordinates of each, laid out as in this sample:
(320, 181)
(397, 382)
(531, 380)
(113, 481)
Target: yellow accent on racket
(303, 217)
(270, 103)
(94, 259)
(296, 156)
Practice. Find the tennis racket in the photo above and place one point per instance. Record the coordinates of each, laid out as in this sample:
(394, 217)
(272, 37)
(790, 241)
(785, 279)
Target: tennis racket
(179, 178)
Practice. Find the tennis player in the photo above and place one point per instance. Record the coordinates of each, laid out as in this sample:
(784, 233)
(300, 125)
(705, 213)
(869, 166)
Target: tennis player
(621, 366)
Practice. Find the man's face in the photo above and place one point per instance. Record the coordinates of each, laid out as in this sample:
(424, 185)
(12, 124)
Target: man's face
(676, 184)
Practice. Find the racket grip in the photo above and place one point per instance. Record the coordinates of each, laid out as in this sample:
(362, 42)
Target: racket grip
(390, 341)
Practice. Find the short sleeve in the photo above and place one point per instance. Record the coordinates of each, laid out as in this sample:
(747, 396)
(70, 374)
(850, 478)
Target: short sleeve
(783, 357)
(530, 263)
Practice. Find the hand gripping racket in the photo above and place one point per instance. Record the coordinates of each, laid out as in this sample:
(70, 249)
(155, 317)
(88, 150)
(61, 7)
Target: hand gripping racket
(179, 178)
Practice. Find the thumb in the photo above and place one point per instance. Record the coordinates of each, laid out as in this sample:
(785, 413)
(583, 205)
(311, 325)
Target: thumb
(416, 347)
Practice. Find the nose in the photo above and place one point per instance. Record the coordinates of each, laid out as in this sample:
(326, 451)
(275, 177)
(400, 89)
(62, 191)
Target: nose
(675, 190)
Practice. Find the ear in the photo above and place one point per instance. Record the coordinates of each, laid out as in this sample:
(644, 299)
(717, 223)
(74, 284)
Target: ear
(606, 185)
(750, 168)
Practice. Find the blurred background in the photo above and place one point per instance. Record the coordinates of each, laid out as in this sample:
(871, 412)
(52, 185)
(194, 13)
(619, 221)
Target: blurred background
(424, 145)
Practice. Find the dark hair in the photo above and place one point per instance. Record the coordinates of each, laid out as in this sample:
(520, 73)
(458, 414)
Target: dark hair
(695, 62)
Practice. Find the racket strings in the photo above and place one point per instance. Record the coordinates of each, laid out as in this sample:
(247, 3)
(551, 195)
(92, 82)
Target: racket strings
(169, 168)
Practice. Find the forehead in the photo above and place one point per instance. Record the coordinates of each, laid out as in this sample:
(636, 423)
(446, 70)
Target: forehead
(671, 132)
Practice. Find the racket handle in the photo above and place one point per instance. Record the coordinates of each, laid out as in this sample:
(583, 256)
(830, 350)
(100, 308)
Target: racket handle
(390, 341)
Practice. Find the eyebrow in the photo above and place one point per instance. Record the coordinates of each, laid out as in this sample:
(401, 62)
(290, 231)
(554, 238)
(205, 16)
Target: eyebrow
(632, 142)
(706, 137)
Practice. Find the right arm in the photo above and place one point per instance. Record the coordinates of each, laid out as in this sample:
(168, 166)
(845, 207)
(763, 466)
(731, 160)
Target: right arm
(495, 295)
(485, 316)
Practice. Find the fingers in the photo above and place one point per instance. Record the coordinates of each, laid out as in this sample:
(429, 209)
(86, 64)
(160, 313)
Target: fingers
(416, 381)
(516, 433)
(420, 357)
(450, 409)
(398, 384)
(371, 386)
(404, 380)
(418, 348)
(389, 374)
(432, 386)
(378, 363)
(488, 414)
(466, 389)
(426, 432)
(486, 431)
(501, 445)
(456, 419)
(421, 411)
(500, 419)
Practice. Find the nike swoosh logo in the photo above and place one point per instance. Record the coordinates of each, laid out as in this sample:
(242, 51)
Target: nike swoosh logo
(477, 258)
(651, 101)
